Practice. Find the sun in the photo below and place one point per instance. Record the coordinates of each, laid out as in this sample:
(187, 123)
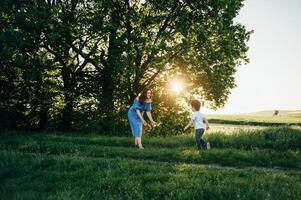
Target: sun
(177, 86)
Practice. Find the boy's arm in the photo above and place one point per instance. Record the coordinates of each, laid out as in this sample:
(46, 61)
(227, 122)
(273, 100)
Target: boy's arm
(207, 124)
(188, 125)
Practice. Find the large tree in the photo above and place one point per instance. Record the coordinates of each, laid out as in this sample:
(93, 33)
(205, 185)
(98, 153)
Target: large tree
(199, 37)
(106, 52)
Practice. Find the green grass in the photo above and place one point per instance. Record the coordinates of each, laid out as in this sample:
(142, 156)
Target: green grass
(244, 163)
(40, 176)
(278, 138)
(170, 149)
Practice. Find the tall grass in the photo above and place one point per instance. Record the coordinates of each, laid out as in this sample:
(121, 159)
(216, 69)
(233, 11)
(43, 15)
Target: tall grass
(278, 138)
(256, 163)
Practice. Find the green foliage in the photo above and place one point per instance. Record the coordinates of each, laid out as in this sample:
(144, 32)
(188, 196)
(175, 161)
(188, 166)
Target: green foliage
(276, 112)
(72, 65)
(170, 114)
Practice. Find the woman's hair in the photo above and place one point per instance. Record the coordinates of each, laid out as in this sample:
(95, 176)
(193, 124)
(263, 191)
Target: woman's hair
(196, 104)
(143, 95)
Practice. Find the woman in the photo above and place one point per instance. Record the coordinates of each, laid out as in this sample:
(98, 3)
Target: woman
(135, 114)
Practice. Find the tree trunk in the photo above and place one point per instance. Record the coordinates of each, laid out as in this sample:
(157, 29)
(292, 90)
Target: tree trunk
(43, 117)
(67, 111)
(108, 80)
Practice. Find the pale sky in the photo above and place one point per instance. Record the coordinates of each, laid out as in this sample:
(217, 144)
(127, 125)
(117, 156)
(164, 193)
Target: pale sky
(272, 79)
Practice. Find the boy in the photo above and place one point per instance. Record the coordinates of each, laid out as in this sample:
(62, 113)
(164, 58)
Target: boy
(198, 120)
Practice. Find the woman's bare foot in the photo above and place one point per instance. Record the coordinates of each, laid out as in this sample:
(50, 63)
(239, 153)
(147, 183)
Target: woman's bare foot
(136, 142)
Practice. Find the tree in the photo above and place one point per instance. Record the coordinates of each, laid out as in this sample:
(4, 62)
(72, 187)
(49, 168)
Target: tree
(198, 37)
(101, 54)
(25, 91)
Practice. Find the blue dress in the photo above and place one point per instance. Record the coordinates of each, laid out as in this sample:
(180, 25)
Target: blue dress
(135, 123)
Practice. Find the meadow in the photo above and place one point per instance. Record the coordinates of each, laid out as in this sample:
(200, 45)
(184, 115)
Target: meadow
(250, 158)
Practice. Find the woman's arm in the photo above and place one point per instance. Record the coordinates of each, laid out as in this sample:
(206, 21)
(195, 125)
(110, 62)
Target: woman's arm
(149, 115)
(140, 117)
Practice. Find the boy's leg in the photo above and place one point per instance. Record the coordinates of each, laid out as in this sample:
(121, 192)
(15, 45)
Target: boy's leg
(198, 135)
(202, 142)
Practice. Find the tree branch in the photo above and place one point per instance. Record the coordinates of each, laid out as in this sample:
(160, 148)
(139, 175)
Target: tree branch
(166, 21)
(57, 56)
(84, 55)
(147, 82)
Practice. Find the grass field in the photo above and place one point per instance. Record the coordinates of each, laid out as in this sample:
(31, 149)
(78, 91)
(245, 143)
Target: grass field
(249, 159)
(255, 120)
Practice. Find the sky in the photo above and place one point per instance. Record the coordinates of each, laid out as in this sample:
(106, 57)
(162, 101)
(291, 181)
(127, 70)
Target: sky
(272, 79)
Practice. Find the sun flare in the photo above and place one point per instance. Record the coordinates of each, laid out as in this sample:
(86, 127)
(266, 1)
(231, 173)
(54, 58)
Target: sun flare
(177, 86)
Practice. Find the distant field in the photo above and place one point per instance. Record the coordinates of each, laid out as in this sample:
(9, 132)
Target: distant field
(281, 113)
(260, 161)
(254, 120)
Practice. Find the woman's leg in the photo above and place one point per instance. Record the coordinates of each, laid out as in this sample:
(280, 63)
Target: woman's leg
(132, 125)
(139, 143)
(135, 127)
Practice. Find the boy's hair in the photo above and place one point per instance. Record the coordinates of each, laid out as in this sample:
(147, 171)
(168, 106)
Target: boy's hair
(196, 104)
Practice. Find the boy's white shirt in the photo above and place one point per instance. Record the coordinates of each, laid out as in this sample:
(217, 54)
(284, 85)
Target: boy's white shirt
(198, 120)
